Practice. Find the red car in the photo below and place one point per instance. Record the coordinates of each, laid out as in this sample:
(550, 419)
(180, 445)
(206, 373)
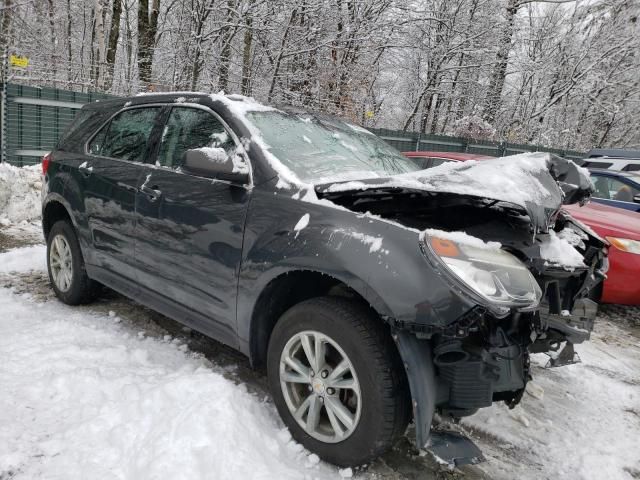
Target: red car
(621, 227)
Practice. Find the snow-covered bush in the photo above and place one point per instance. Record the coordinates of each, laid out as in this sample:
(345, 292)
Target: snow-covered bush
(19, 194)
(472, 126)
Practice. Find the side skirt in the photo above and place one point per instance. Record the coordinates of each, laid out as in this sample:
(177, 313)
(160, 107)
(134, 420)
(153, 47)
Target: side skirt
(163, 305)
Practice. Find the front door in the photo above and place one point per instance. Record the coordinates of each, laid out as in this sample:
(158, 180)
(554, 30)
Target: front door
(615, 193)
(112, 169)
(190, 229)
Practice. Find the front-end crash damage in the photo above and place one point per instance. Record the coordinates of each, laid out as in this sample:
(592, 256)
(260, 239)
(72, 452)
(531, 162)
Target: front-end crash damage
(528, 268)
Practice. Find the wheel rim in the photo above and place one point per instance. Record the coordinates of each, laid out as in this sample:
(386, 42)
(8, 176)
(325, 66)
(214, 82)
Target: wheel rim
(320, 386)
(61, 263)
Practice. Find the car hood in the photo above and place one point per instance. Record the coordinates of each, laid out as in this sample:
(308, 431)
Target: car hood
(617, 222)
(538, 183)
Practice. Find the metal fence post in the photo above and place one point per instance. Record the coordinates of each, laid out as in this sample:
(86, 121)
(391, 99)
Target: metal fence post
(3, 104)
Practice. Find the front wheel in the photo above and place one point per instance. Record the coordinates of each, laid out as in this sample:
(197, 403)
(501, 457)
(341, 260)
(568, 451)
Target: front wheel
(337, 380)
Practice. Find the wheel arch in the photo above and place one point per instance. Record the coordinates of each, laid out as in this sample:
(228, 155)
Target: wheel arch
(292, 287)
(54, 210)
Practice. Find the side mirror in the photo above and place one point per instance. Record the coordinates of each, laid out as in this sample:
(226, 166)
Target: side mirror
(212, 162)
(636, 199)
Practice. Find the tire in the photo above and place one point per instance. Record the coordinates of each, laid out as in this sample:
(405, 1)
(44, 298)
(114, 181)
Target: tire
(78, 288)
(345, 328)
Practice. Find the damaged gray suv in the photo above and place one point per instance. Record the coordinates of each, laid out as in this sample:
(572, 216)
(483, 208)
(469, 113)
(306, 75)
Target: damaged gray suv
(373, 292)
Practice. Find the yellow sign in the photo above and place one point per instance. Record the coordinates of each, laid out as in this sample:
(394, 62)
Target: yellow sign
(16, 61)
(369, 114)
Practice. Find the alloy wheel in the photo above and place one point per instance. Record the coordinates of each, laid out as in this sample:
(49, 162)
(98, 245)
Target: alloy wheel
(61, 263)
(320, 386)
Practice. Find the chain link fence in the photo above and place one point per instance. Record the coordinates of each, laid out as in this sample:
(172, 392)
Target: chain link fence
(32, 119)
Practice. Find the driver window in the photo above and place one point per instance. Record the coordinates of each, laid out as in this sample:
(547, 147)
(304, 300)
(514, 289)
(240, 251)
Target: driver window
(188, 129)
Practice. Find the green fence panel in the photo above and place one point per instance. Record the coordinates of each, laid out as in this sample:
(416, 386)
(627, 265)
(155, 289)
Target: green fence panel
(36, 117)
(403, 141)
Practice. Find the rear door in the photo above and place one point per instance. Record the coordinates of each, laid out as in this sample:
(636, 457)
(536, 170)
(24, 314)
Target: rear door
(190, 228)
(113, 166)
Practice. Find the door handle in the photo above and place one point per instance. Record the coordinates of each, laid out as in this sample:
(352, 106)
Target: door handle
(152, 192)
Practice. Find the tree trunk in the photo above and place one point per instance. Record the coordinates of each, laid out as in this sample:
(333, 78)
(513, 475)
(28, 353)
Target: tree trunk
(196, 66)
(225, 53)
(52, 31)
(69, 51)
(4, 27)
(114, 35)
(496, 85)
(99, 45)
(246, 56)
(283, 42)
(147, 29)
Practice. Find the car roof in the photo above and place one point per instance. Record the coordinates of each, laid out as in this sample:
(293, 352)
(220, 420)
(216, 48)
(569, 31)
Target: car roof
(448, 155)
(614, 173)
(614, 153)
(145, 98)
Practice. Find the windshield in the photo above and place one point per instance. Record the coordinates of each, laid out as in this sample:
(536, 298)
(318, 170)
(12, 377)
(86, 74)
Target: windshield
(322, 149)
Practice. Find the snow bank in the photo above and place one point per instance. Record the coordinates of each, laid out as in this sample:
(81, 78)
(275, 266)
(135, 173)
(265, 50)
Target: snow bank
(24, 259)
(19, 193)
(84, 396)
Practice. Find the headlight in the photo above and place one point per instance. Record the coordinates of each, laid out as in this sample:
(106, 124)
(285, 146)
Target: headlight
(626, 245)
(500, 280)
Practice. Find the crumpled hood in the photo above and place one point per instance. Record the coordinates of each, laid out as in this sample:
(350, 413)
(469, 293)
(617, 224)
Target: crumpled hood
(539, 183)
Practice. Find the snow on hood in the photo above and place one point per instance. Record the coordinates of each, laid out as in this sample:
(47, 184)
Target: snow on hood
(537, 182)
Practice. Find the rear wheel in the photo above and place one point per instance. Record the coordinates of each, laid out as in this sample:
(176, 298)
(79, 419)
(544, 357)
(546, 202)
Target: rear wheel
(337, 380)
(65, 264)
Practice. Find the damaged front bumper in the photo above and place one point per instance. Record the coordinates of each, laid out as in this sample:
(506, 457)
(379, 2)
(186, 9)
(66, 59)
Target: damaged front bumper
(456, 375)
(480, 358)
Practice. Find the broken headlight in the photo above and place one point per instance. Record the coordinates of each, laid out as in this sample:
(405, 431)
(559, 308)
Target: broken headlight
(499, 279)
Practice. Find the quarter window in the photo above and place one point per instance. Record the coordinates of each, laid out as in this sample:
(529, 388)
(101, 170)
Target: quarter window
(126, 136)
(191, 128)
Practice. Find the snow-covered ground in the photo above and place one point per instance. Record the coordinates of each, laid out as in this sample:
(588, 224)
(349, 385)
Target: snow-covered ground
(111, 390)
(86, 396)
(93, 393)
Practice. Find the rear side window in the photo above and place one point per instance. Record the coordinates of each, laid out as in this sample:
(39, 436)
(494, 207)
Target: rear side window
(83, 126)
(191, 128)
(126, 136)
(596, 164)
(632, 167)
